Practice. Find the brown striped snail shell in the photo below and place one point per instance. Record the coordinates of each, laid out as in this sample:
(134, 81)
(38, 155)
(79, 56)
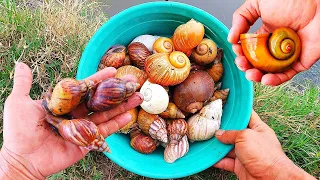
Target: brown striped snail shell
(80, 132)
(167, 69)
(134, 116)
(220, 94)
(138, 54)
(176, 149)
(66, 95)
(177, 128)
(140, 75)
(172, 112)
(163, 44)
(141, 142)
(153, 125)
(216, 70)
(114, 57)
(110, 93)
(205, 52)
(127, 61)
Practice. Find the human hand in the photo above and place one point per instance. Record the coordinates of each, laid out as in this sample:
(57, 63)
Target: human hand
(300, 15)
(30, 148)
(257, 154)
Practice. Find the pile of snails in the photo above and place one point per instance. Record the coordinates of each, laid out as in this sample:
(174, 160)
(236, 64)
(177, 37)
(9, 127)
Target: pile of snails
(179, 79)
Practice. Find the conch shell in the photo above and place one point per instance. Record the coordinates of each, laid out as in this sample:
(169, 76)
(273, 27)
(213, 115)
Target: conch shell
(202, 126)
(167, 69)
(153, 125)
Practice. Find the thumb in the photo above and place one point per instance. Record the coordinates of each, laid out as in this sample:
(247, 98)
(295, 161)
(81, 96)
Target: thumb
(227, 137)
(243, 18)
(22, 80)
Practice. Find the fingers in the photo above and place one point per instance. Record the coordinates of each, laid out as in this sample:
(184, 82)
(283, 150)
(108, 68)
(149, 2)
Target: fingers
(254, 75)
(255, 122)
(22, 80)
(243, 18)
(225, 164)
(237, 49)
(232, 154)
(227, 137)
(103, 74)
(263, 30)
(134, 101)
(242, 63)
(279, 78)
(114, 125)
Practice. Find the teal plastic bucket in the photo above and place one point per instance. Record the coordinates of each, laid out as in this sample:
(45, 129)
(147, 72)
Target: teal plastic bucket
(162, 18)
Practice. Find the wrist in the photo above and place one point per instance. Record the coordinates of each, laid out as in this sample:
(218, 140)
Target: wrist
(13, 167)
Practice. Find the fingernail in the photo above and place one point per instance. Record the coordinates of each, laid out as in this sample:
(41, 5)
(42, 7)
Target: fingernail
(140, 96)
(219, 132)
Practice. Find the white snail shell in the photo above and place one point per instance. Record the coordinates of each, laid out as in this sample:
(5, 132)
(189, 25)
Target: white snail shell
(176, 149)
(202, 126)
(156, 98)
(147, 40)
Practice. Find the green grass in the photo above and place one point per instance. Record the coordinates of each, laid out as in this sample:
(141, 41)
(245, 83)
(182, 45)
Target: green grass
(50, 39)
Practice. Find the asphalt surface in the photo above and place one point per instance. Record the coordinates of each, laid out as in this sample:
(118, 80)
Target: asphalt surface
(222, 10)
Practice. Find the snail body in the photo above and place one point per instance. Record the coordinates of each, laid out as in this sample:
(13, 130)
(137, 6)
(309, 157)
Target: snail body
(138, 54)
(205, 52)
(141, 142)
(155, 98)
(191, 93)
(172, 112)
(153, 125)
(139, 74)
(163, 44)
(109, 93)
(177, 128)
(187, 36)
(114, 57)
(66, 95)
(167, 69)
(274, 53)
(176, 149)
(203, 125)
(80, 132)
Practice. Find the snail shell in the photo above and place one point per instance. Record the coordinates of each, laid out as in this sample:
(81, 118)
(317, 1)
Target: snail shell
(80, 132)
(172, 112)
(205, 52)
(138, 54)
(155, 98)
(216, 69)
(153, 125)
(66, 95)
(167, 69)
(147, 40)
(114, 57)
(176, 149)
(220, 94)
(139, 74)
(163, 44)
(126, 61)
(110, 93)
(191, 93)
(134, 116)
(202, 126)
(141, 142)
(188, 36)
(177, 128)
(273, 53)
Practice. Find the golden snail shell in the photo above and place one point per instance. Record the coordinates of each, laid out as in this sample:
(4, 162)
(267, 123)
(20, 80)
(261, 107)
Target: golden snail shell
(274, 53)
(205, 52)
(153, 125)
(163, 44)
(216, 69)
(172, 112)
(167, 69)
(139, 74)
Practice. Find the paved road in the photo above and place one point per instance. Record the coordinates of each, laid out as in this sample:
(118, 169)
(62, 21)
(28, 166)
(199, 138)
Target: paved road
(222, 10)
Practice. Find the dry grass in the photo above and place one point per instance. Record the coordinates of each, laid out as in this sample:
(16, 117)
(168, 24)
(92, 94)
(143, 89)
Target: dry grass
(50, 37)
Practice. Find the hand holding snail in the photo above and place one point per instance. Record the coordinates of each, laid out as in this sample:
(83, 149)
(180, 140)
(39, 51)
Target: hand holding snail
(304, 25)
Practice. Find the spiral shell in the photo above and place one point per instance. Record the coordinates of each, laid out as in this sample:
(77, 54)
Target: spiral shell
(172, 112)
(176, 149)
(167, 69)
(274, 53)
(110, 93)
(163, 44)
(134, 117)
(80, 132)
(138, 54)
(153, 125)
(216, 69)
(205, 52)
(66, 95)
(188, 36)
(141, 142)
(177, 128)
(114, 57)
(140, 75)
(220, 94)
